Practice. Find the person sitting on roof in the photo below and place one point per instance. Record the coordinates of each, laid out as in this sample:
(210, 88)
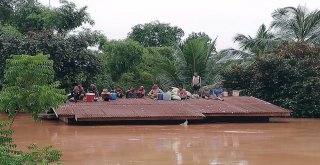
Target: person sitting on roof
(131, 93)
(182, 93)
(119, 92)
(75, 94)
(105, 94)
(154, 91)
(93, 89)
(218, 92)
(206, 93)
(141, 92)
(82, 93)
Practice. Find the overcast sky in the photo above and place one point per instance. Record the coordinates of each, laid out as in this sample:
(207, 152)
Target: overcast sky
(217, 18)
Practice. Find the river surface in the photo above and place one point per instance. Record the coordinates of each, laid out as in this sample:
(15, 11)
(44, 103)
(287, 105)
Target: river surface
(283, 142)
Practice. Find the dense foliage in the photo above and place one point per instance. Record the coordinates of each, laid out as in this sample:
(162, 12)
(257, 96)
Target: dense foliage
(31, 28)
(29, 86)
(290, 78)
(31, 16)
(156, 34)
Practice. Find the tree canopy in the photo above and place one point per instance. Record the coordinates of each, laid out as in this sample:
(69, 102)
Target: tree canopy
(32, 16)
(29, 85)
(156, 34)
(297, 24)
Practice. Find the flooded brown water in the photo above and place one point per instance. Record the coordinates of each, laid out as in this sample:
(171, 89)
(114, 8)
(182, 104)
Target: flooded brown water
(283, 142)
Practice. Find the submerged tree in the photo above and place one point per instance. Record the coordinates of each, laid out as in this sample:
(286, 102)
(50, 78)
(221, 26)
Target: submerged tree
(29, 86)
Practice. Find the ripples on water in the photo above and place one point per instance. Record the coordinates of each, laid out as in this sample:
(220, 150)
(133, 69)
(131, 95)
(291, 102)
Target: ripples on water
(289, 142)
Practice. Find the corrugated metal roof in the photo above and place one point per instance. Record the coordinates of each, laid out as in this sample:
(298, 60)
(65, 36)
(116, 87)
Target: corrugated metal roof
(148, 109)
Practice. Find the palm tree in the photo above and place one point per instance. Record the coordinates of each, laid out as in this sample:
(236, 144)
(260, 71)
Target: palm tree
(193, 55)
(264, 41)
(297, 24)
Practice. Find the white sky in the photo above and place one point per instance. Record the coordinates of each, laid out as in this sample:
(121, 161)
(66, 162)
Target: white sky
(217, 18)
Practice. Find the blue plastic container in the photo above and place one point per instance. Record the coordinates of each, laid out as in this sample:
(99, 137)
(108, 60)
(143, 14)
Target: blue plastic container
(113, 96)
(160, 96)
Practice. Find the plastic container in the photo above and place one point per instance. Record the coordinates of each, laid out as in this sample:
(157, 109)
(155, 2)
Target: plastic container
(113, 96)
(235, 93)
(90, 97)
(160, 96)
(225, 94)
(167, 96)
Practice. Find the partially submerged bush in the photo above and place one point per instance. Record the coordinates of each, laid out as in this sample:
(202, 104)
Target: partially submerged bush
(290, 79)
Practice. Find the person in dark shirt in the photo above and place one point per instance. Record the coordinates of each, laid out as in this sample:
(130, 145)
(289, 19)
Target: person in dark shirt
(105, 94)
(119, 92)
(131, 93)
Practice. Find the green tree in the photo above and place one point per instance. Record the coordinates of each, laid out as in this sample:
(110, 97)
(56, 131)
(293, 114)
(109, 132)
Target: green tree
(297, 24)
(27, 17)
(29, 86)
(122, 57)
(5, 11)
(290, 78)
(9, 44)
(198, 35)
(73, 60)
(69, 17)
(263, 42)
(30, 15)
(193, 55)
(156, 34)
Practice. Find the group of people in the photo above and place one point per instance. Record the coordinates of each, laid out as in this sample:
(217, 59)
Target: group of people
(78, 92)
(179, 93)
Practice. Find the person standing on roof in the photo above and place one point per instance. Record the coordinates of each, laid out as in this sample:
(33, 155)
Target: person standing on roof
(196, 83)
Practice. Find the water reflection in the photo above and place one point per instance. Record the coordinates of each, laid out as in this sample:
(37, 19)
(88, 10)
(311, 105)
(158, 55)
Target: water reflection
(291, 142)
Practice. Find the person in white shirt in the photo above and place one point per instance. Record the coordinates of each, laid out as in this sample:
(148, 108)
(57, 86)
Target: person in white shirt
(196, 83)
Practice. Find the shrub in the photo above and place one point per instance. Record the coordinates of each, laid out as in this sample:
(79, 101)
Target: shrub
(290, 78)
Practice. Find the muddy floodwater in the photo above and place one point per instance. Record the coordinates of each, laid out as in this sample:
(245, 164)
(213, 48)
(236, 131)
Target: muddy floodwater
(283, 142)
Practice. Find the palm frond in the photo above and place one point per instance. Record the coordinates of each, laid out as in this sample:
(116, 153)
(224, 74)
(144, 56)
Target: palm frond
(233, 55)
(296, 24)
